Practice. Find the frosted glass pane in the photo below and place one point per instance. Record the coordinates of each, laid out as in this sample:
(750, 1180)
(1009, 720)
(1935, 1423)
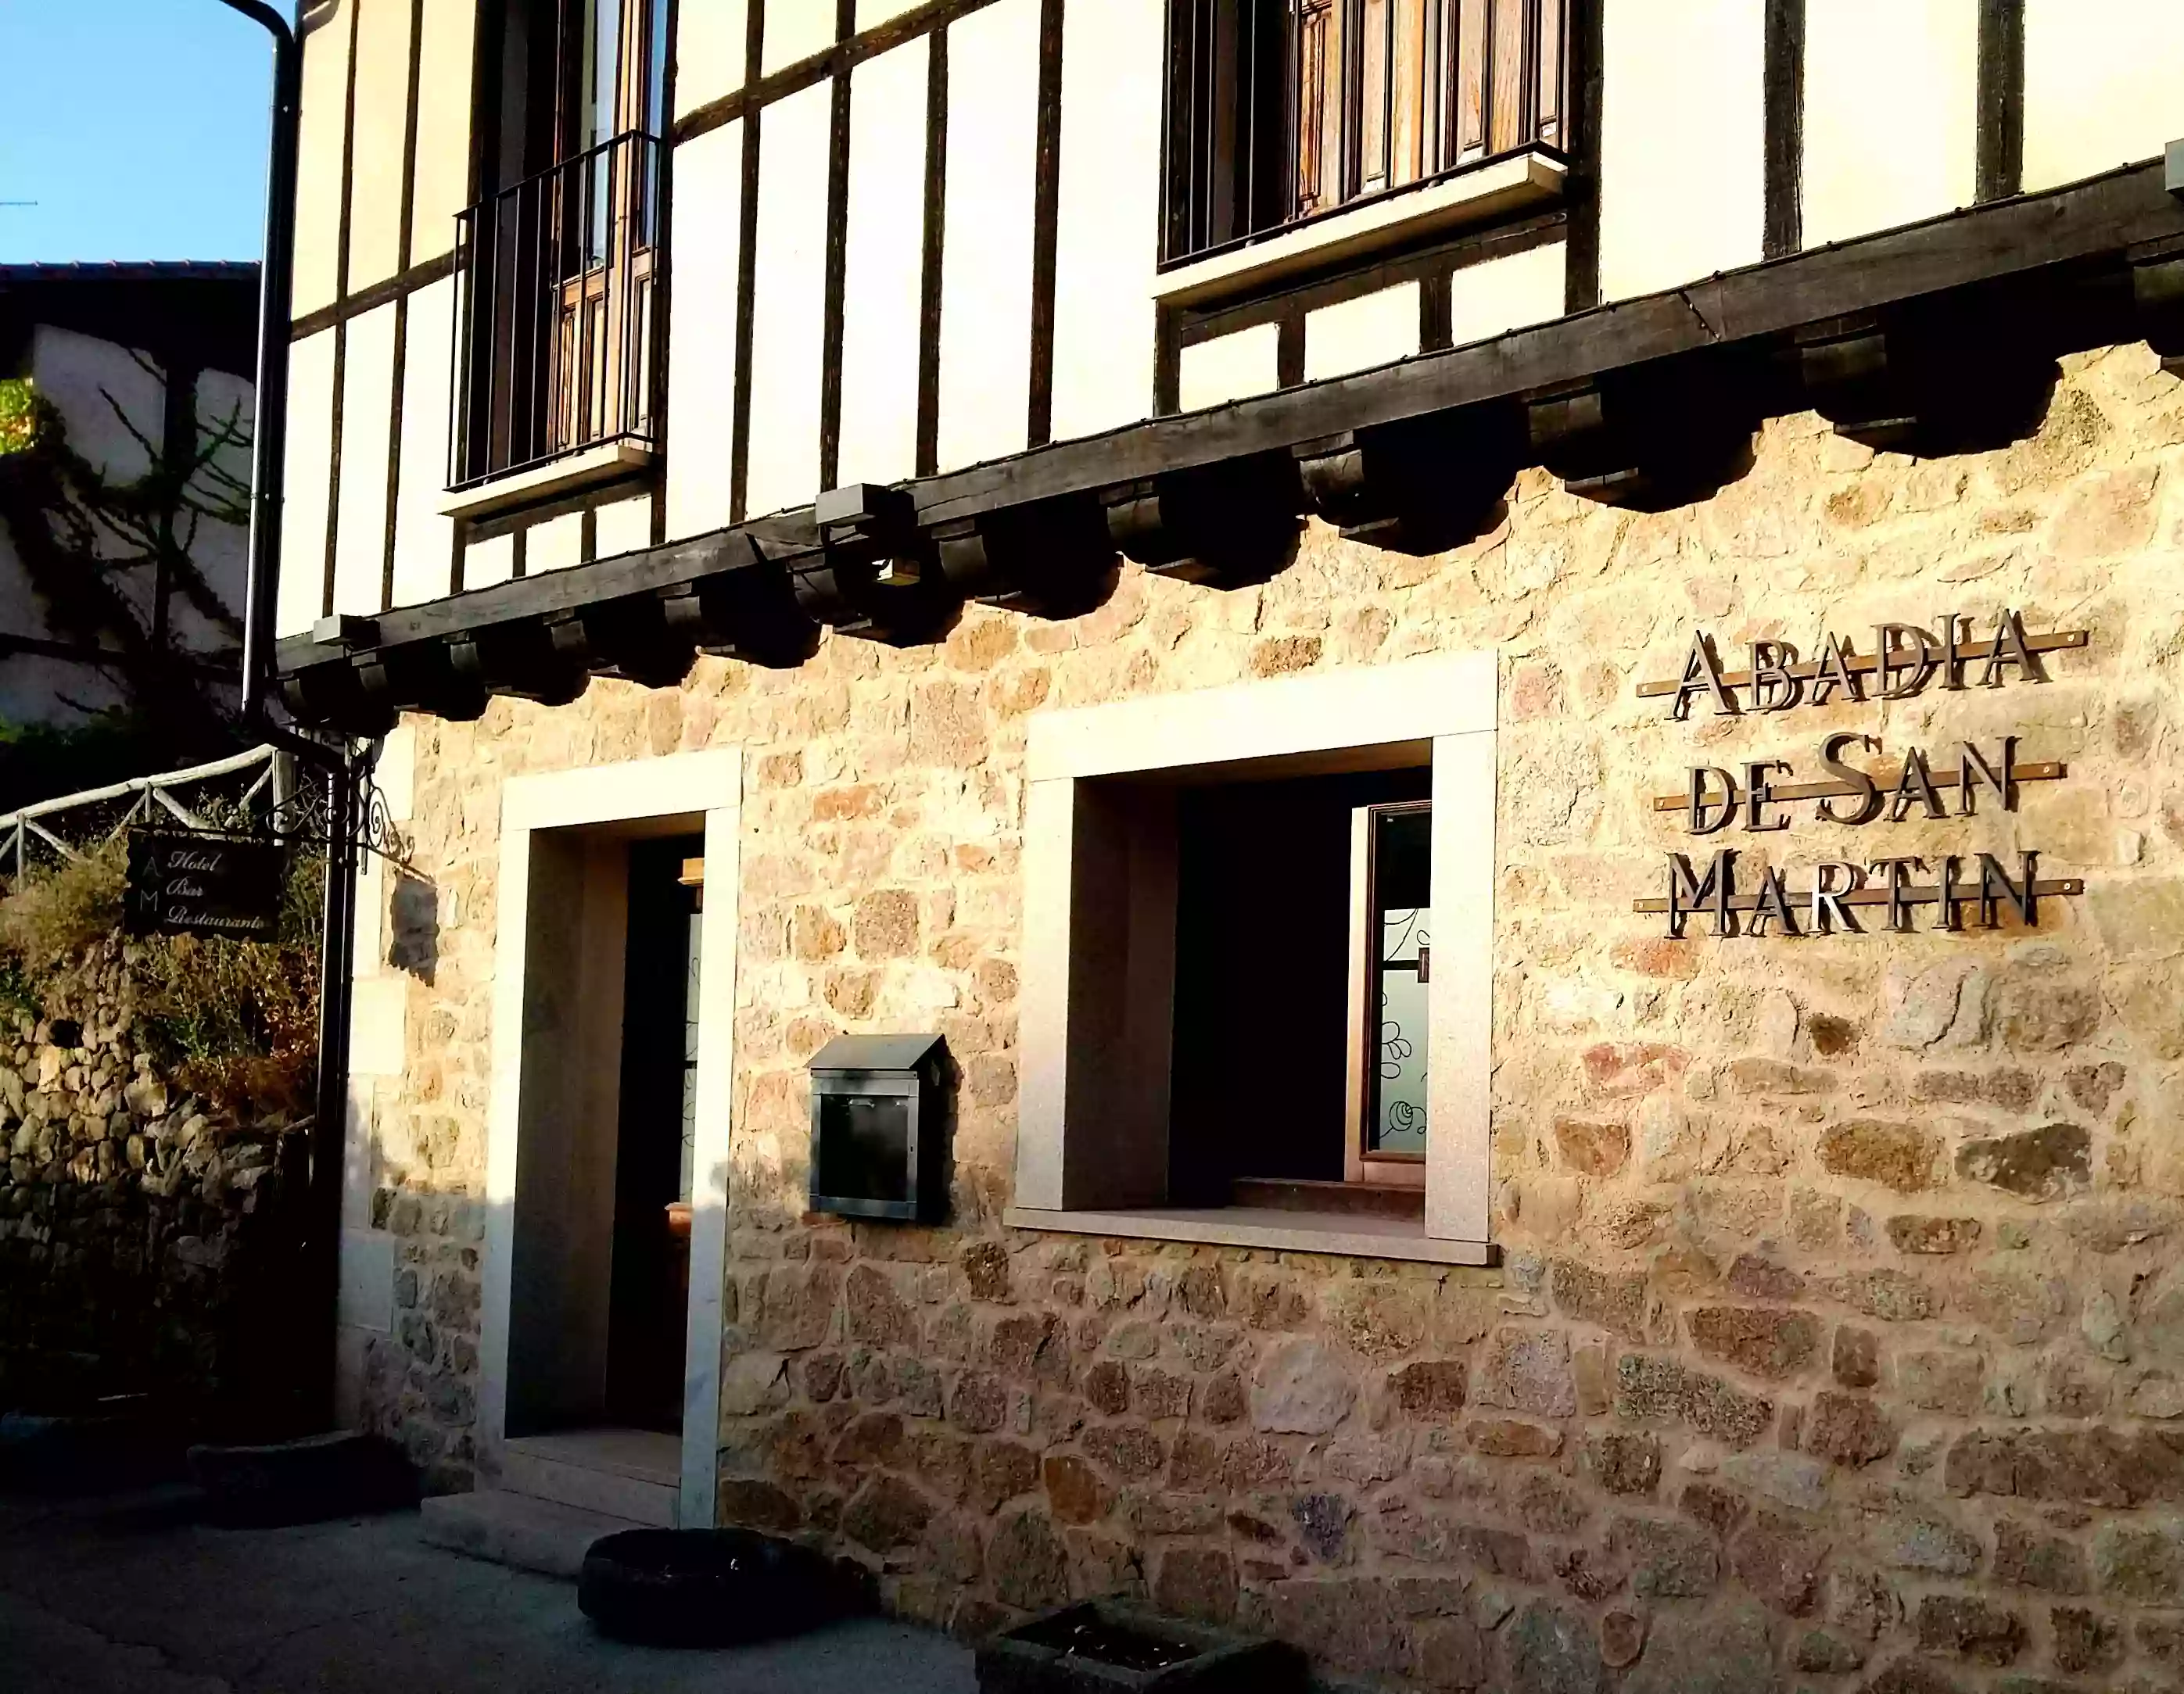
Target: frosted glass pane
(1399, 1120)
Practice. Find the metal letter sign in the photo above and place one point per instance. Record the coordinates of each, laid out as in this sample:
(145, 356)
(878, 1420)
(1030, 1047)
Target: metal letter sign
(1759, 796)
(188, 883)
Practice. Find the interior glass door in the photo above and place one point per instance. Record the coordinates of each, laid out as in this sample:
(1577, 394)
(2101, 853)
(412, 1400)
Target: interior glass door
(1400, 985)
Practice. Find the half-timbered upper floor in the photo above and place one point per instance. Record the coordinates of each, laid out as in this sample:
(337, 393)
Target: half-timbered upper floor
(877, 304)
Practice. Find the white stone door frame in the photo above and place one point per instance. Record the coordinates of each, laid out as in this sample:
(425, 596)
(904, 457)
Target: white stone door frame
(695, 785)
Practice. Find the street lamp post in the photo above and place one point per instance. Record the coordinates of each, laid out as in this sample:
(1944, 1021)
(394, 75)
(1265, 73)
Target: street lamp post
(322, 1222)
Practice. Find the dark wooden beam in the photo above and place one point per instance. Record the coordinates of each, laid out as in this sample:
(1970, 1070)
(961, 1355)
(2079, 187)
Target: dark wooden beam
(739, 400)
(2102, 217)
(759, 92)
(1045, 223)
(2000, 166)
(1582, 105)
(2051, 270)
(931, 252)
(366, 300)
(1785, 94)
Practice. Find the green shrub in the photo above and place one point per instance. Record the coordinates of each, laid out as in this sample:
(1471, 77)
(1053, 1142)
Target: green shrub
(21, 413)
(47, 922)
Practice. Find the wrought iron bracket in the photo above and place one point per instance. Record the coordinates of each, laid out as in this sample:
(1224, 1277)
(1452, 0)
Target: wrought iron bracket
(305, 815)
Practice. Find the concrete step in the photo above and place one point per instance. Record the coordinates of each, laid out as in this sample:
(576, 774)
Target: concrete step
(516, 1529)
(593, 1476)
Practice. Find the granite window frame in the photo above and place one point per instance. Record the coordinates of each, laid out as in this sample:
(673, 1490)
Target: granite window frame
(1097, 1010)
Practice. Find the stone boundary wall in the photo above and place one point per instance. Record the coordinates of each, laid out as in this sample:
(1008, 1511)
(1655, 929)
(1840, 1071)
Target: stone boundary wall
(145, 1241)
(1839, 1341)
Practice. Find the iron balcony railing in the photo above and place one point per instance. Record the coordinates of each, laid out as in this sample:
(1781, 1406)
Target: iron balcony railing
(556, 320)
(1281, 111)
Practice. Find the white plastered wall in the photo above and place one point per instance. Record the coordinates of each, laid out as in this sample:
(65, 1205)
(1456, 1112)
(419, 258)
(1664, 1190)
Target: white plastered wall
(2101, 82)
(554, 544)
(488, 562)
(383, 122)
(1502, 294)
(1231, 367)
(1682, 137)
(306, 481)
(322, 131)
(701, 343)
(442, 188)
(622, 526)
(882, 309)
(629, 795)
(1891, 127)
(711, 40)
(788, 336)
(367, 439)
(424, 536)
(795, 29)
(1108, 223)
(1084, 984)
(1373, 329)
(986, 259)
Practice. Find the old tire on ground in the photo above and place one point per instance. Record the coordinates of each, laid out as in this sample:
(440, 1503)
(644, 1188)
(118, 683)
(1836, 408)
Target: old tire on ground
(708, 1587)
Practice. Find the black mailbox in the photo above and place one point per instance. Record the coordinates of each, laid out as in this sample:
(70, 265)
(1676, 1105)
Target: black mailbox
(879, 1143)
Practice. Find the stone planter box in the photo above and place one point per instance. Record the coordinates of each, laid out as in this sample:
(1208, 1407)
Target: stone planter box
(1102, 1647)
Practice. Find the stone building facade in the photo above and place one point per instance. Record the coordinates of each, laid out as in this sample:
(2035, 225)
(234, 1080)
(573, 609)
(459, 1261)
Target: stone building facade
(1835, 1338)
(897, 521)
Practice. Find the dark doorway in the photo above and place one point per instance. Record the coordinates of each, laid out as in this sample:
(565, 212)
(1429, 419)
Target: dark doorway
(648, 1299)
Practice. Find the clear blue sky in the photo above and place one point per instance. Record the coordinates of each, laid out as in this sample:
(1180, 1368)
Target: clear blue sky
(137, 125)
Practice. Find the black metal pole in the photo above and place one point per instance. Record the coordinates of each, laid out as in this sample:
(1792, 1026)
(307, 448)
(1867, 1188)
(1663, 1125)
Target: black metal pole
(321, 1254)
(322, 1222)
(276, 278)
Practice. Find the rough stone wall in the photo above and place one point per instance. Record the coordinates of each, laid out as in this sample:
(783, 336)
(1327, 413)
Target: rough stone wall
(1837, 1340)
(143, 1239)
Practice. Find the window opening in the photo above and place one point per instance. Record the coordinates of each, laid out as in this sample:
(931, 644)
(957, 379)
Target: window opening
(1280, 111)
(1270, 1036)
(556, 269)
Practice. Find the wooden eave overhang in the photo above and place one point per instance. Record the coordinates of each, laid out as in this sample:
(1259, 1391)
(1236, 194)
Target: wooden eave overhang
(1934, 338)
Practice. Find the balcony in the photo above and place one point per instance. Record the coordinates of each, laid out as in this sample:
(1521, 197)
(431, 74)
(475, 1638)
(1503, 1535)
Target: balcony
(557, 329)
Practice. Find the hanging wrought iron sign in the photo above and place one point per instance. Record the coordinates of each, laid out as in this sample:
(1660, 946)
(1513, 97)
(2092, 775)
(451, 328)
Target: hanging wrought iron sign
(191, 882)
(1851, 896)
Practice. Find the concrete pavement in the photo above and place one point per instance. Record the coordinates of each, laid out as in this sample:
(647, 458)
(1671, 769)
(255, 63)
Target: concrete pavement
(131, 1594)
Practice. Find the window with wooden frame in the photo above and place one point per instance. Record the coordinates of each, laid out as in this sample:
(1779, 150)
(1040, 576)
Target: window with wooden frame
(1281, 111)
(559, 264)
(1241, 1022)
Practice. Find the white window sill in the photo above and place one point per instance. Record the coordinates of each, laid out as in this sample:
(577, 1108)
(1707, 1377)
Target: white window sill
(1348, 1234)
(571, 473)
(1470, 196)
